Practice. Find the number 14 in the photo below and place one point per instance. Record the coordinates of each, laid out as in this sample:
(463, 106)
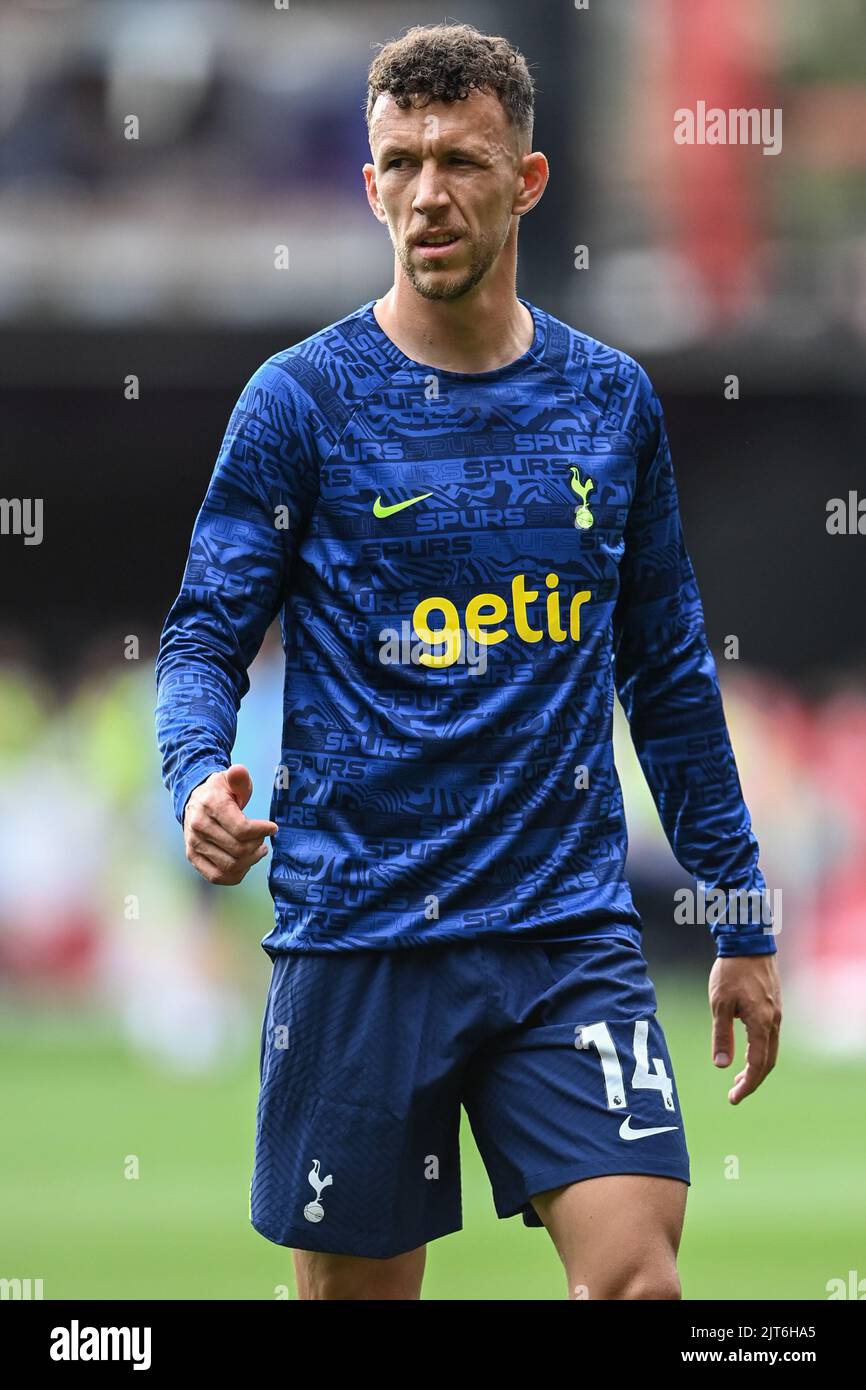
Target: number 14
(598, 1035)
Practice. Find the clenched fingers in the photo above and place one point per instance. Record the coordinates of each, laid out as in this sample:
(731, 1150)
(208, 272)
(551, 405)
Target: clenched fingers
(221, 808)
(221, 868)
(207, 829)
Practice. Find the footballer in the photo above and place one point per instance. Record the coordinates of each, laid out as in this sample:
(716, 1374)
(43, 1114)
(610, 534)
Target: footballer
(464, 512)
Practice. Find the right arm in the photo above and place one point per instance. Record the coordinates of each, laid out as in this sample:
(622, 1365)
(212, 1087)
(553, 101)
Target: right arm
(233, 587)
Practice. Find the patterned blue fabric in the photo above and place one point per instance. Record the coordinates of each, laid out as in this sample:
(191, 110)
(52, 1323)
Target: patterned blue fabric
(367, 1057)
(465, 567)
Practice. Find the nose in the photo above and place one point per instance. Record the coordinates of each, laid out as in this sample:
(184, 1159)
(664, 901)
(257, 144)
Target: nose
(430, 192)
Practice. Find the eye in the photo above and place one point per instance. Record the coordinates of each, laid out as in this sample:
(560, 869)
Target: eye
(392, 163)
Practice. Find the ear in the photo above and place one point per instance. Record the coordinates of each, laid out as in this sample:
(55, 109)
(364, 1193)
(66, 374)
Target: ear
(534, 172)
(369, 172)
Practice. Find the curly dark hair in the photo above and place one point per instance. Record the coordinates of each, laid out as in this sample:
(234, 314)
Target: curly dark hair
(443, 62)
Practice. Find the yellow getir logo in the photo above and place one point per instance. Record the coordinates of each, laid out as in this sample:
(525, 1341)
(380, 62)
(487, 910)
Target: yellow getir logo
(485, 614)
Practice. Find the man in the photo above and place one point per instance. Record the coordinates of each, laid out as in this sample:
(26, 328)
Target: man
(465, 512)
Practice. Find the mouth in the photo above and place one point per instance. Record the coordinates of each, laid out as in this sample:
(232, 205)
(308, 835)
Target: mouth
(436, 244)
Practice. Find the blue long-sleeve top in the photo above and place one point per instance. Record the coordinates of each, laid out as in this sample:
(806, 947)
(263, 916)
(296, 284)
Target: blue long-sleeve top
(465, 566)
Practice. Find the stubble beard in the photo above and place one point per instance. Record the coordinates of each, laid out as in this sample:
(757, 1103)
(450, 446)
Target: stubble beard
(459, 283)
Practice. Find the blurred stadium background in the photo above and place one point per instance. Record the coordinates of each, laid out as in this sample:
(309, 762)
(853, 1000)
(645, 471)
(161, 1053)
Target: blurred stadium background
(131, 992)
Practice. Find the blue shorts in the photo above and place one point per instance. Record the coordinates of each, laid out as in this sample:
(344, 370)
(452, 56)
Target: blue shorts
(554, 1050)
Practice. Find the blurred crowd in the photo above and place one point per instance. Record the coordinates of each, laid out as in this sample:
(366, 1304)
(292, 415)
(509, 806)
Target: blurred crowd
(147, 148)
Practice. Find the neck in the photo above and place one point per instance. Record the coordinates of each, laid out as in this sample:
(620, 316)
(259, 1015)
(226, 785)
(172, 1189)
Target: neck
(479, 332)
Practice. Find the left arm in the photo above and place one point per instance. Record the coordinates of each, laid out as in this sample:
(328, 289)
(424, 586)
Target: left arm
(668, 686)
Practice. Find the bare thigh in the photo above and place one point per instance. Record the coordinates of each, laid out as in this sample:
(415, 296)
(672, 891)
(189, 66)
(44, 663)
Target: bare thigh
(617, 1236)
(355, 1277)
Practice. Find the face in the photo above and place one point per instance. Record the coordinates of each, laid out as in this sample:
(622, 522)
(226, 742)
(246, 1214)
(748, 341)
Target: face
(448, 179)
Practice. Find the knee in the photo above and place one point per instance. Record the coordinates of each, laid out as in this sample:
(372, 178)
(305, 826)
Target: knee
(651, 1283)
(649, 1279)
